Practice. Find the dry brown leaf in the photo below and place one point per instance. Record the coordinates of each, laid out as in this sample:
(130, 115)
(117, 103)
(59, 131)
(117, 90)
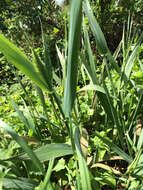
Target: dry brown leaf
(84, 142)
(139, 128)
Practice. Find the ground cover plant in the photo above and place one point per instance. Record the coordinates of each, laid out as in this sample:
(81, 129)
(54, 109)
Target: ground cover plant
(79, 124)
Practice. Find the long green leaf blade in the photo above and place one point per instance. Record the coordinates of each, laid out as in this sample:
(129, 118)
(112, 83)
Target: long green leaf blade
(18, 59)
(39, 65)
(47, 60)
(20, 114)
(18, 183)
(130, 62)
(48, 174)
(115, 148)
(99, 36)
(50, 151)
(90, 54)
(74, 44)
(93, 87)
(23, 144)
(84, 173)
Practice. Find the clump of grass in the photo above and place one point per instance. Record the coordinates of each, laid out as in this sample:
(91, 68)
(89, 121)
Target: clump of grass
(107, 91)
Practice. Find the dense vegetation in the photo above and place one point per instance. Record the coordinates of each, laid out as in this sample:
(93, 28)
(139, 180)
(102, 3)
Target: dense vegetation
(71, 95)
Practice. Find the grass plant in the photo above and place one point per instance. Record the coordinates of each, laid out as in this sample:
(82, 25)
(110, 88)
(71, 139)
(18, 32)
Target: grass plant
(107, 106)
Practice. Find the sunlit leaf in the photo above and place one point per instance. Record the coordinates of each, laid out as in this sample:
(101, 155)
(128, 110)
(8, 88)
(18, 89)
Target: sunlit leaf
(73, 50)
(17, 58)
